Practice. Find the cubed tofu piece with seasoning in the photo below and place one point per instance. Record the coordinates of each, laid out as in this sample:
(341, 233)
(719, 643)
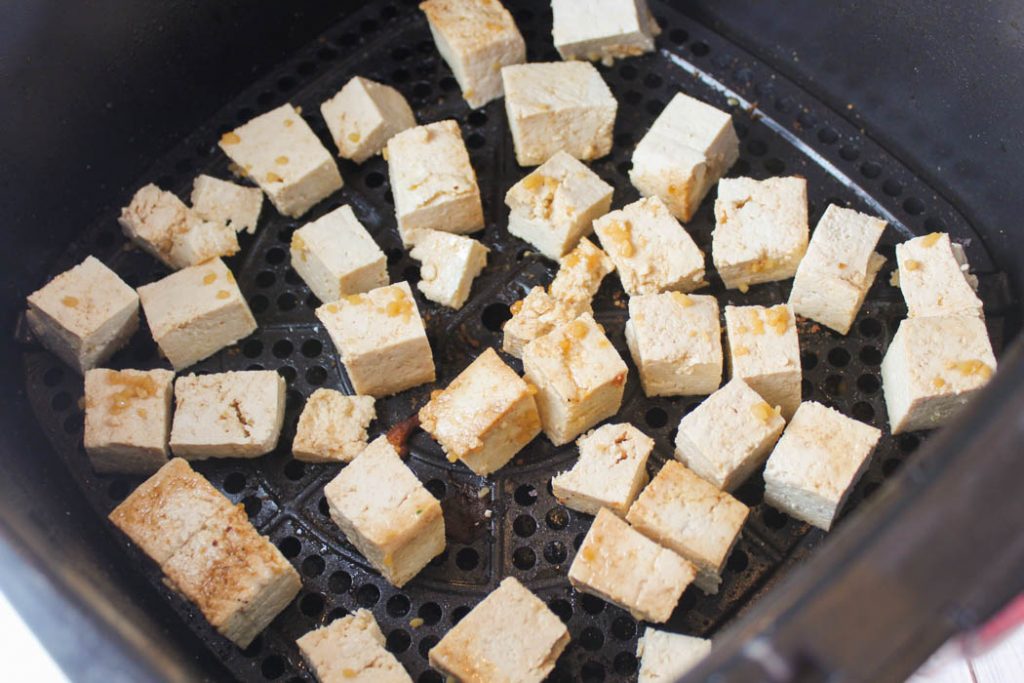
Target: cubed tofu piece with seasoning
(676, 342)
(688, 148)
(485, 416)
(602, 30)
(335, 256)
(817, 462)
(688, 515)
(556, 204)
(729, 435)
(476, 38)
(651, 250)
(220, 201)
(433, 181)
(666, 657)
(935, 278)
(363, 116)
(386, 512)
(196, 312)
(580, 378)
(933, 367)
(84, 314)
(764, 351)
(622, 566)
(449, 264)
(227, 414)
(381, 339)
(534, 316)
(281, 153)
(332, 427)
(580, 273)
(511, 636)
(611, 470)
(351, 648)
(839, 268)
(127, 419)
(558, 106)
(760, 231)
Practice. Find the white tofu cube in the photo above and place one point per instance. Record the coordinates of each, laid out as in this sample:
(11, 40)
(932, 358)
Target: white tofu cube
(281, 153)
(363, 116)
(580, 378)
(840, 265)
(534, 316)
(196, 312)
(127, 419)
(666, 657)
(476, 38)
(332, 427)
(933, 367)
(556, 204)
(603, 30)
(619, 564)
(580, 273)
(820, 457)
(688, 515)
(558, 106)
(760, 230)
(351, 649)
(450, 263)
(651, 250)
(386, 513)
(764, 351)
(676, 342)
(381, 339)
(433, 182)
(227, 414)
(335, 256)
(934, 278)
(220, 201)
(611, 470)
(84, 314)
(485, 416)
(729, 435)
(509, 637)
(688, 148)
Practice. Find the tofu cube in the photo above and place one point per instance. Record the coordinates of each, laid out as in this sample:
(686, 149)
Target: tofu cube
(580, 273)
(84, 314)
(728, 437)
(688, 148)
(227, 415)
(386, 513)
(381, 339)
(760, 230)
(335, 256)
(534, 316)
(558, 106)
(840, 265)
(676, 342)
(817, 462)
(476, 38)
(281, 153)
(450, 263)
(651, 250)
(580, 378)
(933, 367)
(556, 204)
(127, 419)
(363, 116)
(611, 470)
(603, 30)
(196, 312)
(485, 416)
(764, 351)
(220, 201)
(686, 514)
(668, 656)
(934, 278)
(480, 647)
(433, 182)
(332, 427)
(622, 566)
(351, 649)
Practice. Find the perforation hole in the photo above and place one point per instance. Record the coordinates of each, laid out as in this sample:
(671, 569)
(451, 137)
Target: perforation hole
(700, 49)
(339, 582)
(312, 605)
(290, 547)
(524, 526)
(737, 561)
(458, 613)
(398, 641)
(437, 488)
(656, 418)
(562, 609)
(555, 552)
(868, 384)
(467, 559)
(430, 613)
(367, 595)
(425, 646)
(234, 482)
(773, 519)
(526, 495)
(557, 518)
(272, 667)
(313, 566)
(524, 558)
(625, 663)
(591, 639)
(808, 360)
(839, 357)
(592, 672)
(869, 355)
(295, 470)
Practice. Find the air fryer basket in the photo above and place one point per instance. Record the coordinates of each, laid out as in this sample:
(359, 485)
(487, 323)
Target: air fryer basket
(782, 130)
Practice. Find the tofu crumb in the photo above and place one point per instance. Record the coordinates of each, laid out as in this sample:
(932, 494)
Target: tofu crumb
(416, 622)
(894, 278)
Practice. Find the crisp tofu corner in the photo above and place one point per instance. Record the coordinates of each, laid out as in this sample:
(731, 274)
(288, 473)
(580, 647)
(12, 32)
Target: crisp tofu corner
(534, 316)
(351, 649)
(580, 273)
(764, 351)
(220, 201)
(450, 263)
(602, 30)
(668, 656)
(332, 427)
(935, 279)
(363, 116)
